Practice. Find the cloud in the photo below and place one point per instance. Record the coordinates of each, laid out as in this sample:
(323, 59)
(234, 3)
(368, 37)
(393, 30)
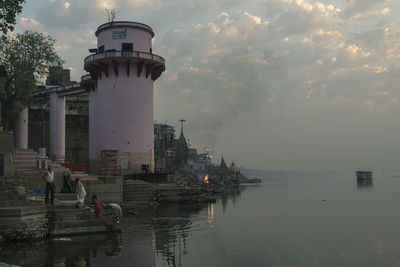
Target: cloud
(64, 47)
(325, 39)
(71, 14)
(296, 77)
(303, 16)
(358, 8)
(28, 22)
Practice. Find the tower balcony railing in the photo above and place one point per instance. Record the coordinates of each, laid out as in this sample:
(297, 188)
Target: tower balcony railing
(125, 54)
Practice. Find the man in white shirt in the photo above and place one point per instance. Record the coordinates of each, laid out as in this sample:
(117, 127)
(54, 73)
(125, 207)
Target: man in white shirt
(49, 178)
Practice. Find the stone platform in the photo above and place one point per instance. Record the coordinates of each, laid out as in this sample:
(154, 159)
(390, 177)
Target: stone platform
(65, 220)
(23, 222)
(138, 192)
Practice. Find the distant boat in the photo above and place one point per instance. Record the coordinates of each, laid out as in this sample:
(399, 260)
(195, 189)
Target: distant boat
(364, 175)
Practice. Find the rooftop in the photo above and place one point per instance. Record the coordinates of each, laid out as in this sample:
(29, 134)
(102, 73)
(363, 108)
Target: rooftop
(124, 24)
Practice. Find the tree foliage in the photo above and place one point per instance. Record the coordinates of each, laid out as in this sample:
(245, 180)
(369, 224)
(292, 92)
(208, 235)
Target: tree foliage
(9, 9)
(26, 58)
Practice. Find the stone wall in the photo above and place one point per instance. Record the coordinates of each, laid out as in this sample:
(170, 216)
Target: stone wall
(34, 181)
(106, 188)
(138, 191)
(23, 222)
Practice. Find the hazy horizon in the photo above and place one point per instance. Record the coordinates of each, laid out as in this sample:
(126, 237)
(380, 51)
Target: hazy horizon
(272, 84)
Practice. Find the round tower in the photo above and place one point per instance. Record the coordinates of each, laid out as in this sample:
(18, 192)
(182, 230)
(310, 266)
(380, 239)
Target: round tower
(121, 103)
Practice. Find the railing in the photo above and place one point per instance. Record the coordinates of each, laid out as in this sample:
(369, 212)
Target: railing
(125, 54)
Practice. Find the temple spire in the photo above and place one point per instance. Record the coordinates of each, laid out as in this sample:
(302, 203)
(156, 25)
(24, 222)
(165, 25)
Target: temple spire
(223, 164)
(182, 150)
(182, 121)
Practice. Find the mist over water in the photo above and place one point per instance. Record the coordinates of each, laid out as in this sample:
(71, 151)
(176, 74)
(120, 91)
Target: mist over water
(321, 220)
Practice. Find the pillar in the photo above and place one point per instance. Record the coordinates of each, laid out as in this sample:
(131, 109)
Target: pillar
(21, 129)
(57, 127)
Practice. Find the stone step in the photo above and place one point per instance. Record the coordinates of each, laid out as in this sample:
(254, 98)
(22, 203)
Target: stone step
(36, 171)
(24, 167)
(25, 153)
(85, 178)
(55, 165)
(27, 157)
(24, 150)
(31, 173)
(65, 196)
(74, 174)
(25, 162)
(30, 160)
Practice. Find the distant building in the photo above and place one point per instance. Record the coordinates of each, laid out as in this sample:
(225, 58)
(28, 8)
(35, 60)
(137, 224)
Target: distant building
(182, 152)
(223, 175)
(59, 76)
(164, 147)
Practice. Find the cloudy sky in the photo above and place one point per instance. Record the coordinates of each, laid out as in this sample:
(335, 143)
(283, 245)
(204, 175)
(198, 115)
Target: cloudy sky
(270, 84)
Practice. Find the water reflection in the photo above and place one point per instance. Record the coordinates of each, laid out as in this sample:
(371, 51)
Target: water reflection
(364, 184)
(173, 232)
(73, 251)
(210, 212)
(171, 227)
(151, 238)
(171, 245)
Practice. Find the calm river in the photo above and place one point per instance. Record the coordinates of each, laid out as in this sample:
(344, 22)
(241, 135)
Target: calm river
(324, 220)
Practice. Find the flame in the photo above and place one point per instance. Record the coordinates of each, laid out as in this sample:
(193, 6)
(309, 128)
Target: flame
(206, 179)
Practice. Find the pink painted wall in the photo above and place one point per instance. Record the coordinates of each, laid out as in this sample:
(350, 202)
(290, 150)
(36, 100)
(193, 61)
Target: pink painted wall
(57, 125)
(141, 39)
(122, 109)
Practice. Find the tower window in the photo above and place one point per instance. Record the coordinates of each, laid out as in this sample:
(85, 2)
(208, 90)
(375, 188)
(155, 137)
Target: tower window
(127, 46)
(101, 49)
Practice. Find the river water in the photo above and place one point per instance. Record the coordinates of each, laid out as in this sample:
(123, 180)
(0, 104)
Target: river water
(318, 220)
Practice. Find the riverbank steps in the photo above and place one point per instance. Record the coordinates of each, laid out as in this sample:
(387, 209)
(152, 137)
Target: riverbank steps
(65, 220)
(106, 188)
(141, 192)
(22, 219)
(23, 223)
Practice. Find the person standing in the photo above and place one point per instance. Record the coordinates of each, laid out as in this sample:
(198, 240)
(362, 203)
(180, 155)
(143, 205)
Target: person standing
(80, 192)
(49, 178)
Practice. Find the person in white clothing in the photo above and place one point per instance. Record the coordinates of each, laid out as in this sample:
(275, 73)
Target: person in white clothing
(80, 192)
(49, 178)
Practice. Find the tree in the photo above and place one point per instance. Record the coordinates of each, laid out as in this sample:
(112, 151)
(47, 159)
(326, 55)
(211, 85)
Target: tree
(8, 11)
(26, 58)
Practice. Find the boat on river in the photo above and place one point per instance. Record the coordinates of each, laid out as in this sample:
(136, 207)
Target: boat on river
(364, 175)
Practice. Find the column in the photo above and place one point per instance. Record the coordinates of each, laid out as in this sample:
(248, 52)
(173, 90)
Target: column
(57, 127)
(21, 129)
